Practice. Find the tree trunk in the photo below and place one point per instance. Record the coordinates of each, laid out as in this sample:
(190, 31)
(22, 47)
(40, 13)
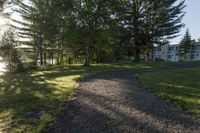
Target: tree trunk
(45, 58)
(41, 51)
(61, 58)
(87, 56)
(185, 56)
(98, 57)
(36, 57)
(52, 56)
(137, 54)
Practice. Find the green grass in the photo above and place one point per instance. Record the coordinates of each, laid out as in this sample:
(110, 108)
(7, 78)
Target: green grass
(24, 95)
(182, 87)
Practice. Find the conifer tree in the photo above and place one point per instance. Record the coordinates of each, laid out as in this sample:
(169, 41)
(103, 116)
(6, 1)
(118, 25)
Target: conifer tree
(185, 45)
(149, 21)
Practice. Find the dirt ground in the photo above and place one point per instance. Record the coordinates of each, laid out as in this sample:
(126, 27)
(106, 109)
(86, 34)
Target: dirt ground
(114, 102)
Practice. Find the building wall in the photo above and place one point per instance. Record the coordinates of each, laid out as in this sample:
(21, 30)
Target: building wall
(169, 53)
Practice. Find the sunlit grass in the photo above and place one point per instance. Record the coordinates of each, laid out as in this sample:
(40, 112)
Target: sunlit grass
(182, 87)
(30, 101)
(24, 96)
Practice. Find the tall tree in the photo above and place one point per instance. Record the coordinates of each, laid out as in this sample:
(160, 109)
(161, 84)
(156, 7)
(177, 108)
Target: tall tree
(34, 15)
(90, 20)
(148, 22)
(185, 45)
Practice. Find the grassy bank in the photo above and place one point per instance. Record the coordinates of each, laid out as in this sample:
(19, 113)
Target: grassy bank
(182, 87)
(29, 101)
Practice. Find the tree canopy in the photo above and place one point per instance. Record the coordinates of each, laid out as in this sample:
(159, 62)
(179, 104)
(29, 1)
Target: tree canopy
(96, 30)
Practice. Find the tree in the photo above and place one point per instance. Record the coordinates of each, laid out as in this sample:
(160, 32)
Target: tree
(10, 52)
(2, 3)
(97, 29)
(185, 45)
(198, 39)
(44, 23)
(34, 15)
(89, 19)
(148, 22)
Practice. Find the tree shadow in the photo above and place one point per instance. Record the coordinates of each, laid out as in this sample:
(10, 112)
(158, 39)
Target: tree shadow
(33, 94)
(127, 108)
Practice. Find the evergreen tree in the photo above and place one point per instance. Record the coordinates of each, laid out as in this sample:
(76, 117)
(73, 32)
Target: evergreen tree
(10, 52)
(148, 22)
(185, 45)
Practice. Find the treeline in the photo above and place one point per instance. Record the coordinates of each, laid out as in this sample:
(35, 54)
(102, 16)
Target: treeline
(96, 30)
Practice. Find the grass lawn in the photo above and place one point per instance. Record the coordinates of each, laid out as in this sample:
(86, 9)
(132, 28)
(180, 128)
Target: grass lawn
(181, 87)
(29, 101)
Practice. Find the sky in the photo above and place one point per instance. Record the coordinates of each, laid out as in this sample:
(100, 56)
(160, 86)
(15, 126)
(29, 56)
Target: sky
(191, 21)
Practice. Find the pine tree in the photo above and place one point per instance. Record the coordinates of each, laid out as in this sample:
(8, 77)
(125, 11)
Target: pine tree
(148, 22)
(185, 45)
(34, 24)
(9, 49)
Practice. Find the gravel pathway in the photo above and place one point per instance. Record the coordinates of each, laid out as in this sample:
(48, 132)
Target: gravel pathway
(114, 102)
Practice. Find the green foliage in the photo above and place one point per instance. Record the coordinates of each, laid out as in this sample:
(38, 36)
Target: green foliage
(198, 39)
(10, 52)
(148, 22)
(31, 100)
(185, 45)
(97, 29)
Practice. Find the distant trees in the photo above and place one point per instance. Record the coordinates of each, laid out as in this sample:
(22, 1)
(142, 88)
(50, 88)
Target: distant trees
(96, 29)
(185, 45)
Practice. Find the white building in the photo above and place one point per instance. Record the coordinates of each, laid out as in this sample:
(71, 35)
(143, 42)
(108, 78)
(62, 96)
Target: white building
(170, 53)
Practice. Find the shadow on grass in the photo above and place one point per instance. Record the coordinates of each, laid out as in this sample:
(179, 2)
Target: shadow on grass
(35, 94)
(119, 106)
(26, 98)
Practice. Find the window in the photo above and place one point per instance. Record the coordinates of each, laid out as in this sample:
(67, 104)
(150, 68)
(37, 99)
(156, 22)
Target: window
(193, 47)
(169, 56)
(171, 49)
(192, 57)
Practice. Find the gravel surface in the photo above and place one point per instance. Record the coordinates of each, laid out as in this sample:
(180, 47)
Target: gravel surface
(114, 102)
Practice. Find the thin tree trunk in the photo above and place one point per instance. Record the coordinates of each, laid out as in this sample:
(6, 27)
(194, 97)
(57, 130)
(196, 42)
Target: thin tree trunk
(61, 57)
(137, 54)
(41, 50)
(52, 55)
(45, 58)
(36, 56)
(185, 56)
(87, 56)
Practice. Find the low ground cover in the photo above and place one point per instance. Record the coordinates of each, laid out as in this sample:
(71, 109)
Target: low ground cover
(31, 100)
(182, 87)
